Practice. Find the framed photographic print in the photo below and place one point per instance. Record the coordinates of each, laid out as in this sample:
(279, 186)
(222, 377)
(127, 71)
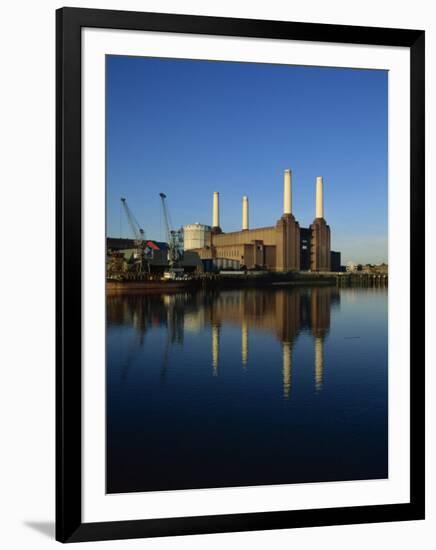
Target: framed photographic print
(240, 297)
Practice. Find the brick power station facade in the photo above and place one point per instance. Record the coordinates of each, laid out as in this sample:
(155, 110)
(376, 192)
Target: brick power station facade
(281, 247)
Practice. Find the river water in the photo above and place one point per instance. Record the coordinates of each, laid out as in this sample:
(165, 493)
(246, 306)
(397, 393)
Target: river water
(246, 387)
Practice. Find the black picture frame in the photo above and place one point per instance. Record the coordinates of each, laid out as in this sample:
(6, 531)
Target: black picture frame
(69, 22)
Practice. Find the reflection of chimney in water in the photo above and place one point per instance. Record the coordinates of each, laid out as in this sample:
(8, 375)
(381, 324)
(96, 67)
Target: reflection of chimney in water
(244, 342)
(215, 348)
(319, 362)
(287, 369)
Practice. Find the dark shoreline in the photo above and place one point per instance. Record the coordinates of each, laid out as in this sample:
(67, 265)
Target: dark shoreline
(249, 280)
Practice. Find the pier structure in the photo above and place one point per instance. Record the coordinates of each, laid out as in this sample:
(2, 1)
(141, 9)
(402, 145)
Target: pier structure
(362, 279)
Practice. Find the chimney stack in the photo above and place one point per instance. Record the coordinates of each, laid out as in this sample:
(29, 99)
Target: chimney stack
(287, 193)
(244, 212)
(319, 198)
(216, 210)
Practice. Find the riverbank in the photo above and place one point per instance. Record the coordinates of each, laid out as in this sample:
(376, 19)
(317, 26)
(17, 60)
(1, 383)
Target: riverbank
(243, 279)
(248, 279)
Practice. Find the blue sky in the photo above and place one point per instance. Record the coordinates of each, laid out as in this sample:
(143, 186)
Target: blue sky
(189, 128)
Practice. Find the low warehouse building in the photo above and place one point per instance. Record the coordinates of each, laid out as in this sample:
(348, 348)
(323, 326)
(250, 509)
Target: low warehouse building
(156, 253)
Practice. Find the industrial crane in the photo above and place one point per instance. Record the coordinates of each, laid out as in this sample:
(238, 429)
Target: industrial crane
(173, 237)
(139, 238)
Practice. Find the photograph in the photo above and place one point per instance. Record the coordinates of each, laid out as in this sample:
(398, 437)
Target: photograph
(225, 336)
(247, 270)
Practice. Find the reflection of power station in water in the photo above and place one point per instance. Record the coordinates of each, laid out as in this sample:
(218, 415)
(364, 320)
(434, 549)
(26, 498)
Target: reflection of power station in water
(285, 313)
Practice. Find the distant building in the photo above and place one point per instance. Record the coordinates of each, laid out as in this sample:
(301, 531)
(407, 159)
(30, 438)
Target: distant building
(378, 269)
(335, 261)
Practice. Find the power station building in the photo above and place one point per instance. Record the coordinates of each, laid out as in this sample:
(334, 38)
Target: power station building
(281, 247)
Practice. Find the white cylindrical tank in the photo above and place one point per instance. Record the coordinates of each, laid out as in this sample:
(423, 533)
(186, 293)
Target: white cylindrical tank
(196, 235)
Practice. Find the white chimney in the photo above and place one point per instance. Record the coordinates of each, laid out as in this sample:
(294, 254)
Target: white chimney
(244, 212)
(216, 210)
(287, 193)
(319, 198)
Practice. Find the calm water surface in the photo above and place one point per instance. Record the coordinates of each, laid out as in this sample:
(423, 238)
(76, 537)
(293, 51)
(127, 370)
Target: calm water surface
(246, 387)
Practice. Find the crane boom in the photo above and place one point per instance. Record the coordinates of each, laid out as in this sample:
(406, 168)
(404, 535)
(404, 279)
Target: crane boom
(137, 231)
(139, 239)
(166, 217)
(174, 253)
